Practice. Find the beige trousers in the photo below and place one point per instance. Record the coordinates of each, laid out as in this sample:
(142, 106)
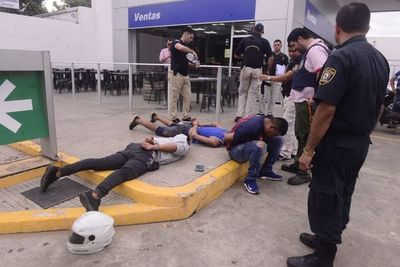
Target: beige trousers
(249, 92)
(271, 95)
(180, 85)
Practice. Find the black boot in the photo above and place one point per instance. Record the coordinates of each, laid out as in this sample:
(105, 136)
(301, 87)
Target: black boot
(89, 202)
(310, 260)
(293, 168)
(49, 177)
(299, 178)
(309, 240)
(322, 257)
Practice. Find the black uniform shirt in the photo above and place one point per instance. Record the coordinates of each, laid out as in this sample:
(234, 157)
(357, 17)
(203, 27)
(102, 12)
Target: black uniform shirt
(179, 62)
(254, 48)
(280, 59)
(354, 79)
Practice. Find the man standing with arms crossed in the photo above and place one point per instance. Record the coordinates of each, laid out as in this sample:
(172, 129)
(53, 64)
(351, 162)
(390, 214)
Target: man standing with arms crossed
(350, 100)
(277, 62)
(180, 83)
(304, 85)
(254, 50)
(165, 53)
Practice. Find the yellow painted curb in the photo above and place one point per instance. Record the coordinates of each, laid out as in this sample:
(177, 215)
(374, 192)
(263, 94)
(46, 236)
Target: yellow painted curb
(152, 203)
(62, 219)
(27, 147)
(21, 177)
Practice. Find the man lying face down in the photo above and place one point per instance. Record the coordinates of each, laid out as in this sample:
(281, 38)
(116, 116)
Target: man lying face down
(209, 134)
(135, 160)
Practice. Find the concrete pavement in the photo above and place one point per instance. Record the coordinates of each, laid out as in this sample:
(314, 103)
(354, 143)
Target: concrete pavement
(238, 229)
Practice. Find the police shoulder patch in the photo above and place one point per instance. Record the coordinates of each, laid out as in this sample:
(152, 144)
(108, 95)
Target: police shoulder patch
(327, 75)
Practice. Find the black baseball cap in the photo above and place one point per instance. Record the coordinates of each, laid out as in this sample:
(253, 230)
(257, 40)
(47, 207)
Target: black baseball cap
(259, 28)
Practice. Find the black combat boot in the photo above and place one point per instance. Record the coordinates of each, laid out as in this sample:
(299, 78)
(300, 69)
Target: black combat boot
(322, 257)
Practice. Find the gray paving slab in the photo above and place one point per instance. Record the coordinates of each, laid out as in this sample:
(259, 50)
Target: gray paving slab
(86, 129)
(11, 198)
(9, 154)
(240, 229)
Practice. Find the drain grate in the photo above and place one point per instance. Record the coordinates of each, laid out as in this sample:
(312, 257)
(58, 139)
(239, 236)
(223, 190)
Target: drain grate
(61, 191)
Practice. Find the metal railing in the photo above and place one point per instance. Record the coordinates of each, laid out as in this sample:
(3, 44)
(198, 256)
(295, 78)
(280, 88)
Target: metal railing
(130, 67)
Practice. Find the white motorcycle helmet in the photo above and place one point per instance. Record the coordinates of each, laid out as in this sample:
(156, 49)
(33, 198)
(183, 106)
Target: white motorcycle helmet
(91, 233)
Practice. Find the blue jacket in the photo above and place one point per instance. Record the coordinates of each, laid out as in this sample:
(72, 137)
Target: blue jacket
(247, 129)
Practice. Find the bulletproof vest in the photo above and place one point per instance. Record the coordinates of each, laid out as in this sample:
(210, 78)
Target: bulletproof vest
(303, 78)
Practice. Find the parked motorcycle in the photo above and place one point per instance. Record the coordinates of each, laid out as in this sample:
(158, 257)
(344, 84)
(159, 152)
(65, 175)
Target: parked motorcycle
(392, 119)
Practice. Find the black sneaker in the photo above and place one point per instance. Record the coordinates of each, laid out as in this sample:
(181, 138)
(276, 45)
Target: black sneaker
(237, 119)
(89, 202)
(309, 240)
(293, 168)
(175, 120)
(299, 179)
(134, 123)
(49, 177)
(187, 119)
(153, 117)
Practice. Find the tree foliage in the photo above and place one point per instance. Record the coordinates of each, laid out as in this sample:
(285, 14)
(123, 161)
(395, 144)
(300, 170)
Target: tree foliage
(72, 3)
(28, 7)
(36, 7)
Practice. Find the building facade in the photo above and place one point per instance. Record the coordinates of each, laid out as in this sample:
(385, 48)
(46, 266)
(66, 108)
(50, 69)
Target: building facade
(142, 27)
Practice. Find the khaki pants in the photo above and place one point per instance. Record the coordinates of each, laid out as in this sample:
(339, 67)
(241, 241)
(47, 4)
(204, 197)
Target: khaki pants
(180, 85)
(249, 92)
(289, 140)
(271, 95)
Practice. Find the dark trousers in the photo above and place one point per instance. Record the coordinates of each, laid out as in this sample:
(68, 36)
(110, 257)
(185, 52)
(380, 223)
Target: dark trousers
(128, 164)
(174, 129)
(302, 126)
(336, 163)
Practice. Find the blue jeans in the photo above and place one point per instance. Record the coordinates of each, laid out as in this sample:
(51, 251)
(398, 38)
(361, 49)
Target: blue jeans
(249, 151)
(174, 129)
(274, 146)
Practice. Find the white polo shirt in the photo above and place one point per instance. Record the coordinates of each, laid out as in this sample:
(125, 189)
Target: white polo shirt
(167, 157)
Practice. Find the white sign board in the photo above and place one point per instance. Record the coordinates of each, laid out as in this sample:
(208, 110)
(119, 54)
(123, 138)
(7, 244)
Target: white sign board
(10, 4)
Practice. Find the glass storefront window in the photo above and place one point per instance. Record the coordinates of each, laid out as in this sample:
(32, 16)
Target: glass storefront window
(212, 41)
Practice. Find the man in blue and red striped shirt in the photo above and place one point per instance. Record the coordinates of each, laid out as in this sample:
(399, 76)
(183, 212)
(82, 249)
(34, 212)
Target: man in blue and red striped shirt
(249, 139)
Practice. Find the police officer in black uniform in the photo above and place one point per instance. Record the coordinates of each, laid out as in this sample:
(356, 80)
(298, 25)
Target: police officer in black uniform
(350, 99)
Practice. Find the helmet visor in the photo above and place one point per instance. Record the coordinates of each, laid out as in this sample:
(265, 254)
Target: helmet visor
(76, 239)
